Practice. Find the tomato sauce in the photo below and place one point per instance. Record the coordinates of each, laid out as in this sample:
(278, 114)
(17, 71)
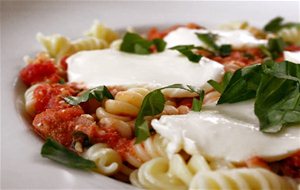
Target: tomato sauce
(39, 72)
(50, 96)
(57, 124)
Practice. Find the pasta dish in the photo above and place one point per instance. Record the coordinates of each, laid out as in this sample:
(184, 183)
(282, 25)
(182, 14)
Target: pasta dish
(185, 107)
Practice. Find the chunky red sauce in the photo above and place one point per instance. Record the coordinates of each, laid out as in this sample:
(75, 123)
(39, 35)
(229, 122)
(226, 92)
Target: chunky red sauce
(39, 72)
(57, 124)
(50, 96)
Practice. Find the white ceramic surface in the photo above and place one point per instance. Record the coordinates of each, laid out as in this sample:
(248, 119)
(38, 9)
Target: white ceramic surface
(21, 163)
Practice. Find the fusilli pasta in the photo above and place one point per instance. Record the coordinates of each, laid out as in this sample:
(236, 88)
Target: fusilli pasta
(101, 32)
(107, 160)
(30, 100)
(243, 179)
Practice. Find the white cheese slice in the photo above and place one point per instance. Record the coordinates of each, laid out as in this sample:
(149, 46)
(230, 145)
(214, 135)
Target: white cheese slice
(292, 56)
(111, 67)
(229, 131)
(237, 38)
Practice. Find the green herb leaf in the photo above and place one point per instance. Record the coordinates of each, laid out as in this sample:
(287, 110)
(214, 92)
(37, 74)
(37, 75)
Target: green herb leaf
(153, 104)
(276, 89)
(57, 152)
(274, 48)
(225, 50)
(209, 40)
(98, 93)
(276, 24)
(186, 50)
(222, 85)
(159, 44)
(277, 101)
(197, 103)
(134, 43)
(242, 85)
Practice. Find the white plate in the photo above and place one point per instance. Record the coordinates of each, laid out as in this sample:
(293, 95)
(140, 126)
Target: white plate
(21, 163)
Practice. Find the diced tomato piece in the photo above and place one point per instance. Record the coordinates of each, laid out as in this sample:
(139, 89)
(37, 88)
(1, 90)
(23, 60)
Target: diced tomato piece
(57, 124)
(50, 96)
(291, 166)
(39, 72)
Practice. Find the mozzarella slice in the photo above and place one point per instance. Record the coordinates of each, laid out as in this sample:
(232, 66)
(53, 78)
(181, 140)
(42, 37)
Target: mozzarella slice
(229, 131)
(237, 38)
(111, 67)
(292, 56)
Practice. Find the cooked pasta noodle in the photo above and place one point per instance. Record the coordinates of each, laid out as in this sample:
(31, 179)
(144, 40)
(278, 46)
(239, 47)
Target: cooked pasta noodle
(101, 32)
(107, 160)
(153, 147)
(88, 43)
(59, 46)
(161, 173)
(241, 179)
(197, 173)
(30, 100)
(56, 45)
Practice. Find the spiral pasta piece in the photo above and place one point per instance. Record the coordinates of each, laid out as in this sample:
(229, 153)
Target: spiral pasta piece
(154, 146)
(88, 43)
(127, 102)
(59, 46)
(161, 173)
(244, 179)
(107, 160)
(101, 32)
(56, 45)
(30, 100)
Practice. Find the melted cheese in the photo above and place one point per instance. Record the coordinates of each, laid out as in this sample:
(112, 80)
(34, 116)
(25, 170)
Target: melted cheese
(111, 67)
(229, 131)
(237, 38)
(292, 56)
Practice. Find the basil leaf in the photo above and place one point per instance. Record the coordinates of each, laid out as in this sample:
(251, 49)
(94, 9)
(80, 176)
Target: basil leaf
(186, 50)
(98, 93)
(222, 85)
(197, 103)
(134, 43)
(159, 44)
(284, 70)
(225, 50)
(242, 85)
(57, 152)
(208, 39)
(276, 89)
(153, 104)
(277, 103)
(274, 48)
(276, 24)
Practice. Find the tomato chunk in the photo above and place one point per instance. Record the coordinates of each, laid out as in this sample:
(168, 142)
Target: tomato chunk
(50, 96)
(39, 72)
(57, 124)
